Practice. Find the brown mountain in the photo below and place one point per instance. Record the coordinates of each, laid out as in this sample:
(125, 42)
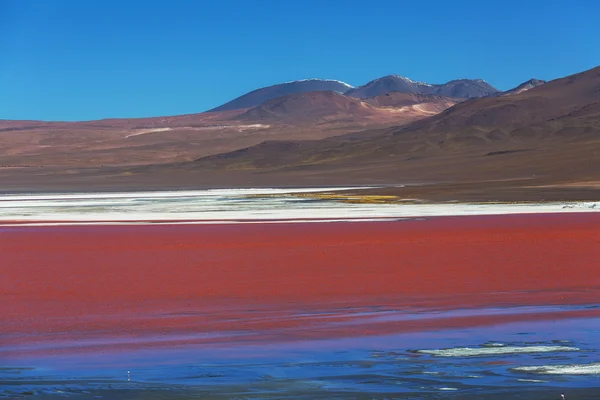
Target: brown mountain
(530, 84)
(261, 95)
(121, 141)
(548, 134)
(543, 143)
(398, 99)
(459, 88)
(317, 108)
(143, 141)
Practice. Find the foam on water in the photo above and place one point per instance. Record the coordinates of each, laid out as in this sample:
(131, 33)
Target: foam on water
(333, 368)
(496, 350)
(572, 369)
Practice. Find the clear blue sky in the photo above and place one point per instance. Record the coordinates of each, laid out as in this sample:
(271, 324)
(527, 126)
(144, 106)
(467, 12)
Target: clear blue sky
(90, 59)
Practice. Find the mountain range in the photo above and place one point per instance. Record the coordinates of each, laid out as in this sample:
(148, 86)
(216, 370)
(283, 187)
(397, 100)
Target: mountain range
(547, 135)
(463, 135)
(530, 84)
(304, 109)
(460, 89)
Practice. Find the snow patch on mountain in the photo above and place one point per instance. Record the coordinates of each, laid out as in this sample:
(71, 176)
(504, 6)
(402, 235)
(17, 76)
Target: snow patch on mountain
(321, 80)
(404, 78)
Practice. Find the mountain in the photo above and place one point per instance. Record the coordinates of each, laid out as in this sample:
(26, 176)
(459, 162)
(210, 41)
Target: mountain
(333, 108)
(398, 99)
(389, 84)
(546, 135)
(538, 144)
(460, 88)
(160, 140)
(569, 101)
(310, 107)
(465, 88)
(259, 96)
(530, 84)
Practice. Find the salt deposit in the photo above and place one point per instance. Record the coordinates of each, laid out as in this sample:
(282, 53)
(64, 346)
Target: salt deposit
(238, 206)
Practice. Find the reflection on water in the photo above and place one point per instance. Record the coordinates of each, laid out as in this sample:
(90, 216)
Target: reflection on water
(533, 359)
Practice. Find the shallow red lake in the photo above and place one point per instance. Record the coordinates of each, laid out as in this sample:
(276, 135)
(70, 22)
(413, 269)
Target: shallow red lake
(117, 279)
(302, 308)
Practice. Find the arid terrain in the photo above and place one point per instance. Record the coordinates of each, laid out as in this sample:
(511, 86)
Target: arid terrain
(142, 141)
(538, 141)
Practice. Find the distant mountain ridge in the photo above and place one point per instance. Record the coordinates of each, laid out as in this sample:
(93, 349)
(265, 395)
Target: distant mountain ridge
(548, 132)
(530, 84)
(308, 115)
(260, 96)
(458, 89)
(537, 141)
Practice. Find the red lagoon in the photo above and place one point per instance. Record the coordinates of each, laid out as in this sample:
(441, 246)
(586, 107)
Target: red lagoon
(131, 280)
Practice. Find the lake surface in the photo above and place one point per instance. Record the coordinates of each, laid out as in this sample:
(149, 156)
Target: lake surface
(463, 307)
(550, 356)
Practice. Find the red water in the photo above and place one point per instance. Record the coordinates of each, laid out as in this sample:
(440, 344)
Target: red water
(126, 280)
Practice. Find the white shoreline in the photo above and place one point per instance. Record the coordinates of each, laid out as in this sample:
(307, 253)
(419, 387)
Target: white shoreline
(232, 206)
(173, 193)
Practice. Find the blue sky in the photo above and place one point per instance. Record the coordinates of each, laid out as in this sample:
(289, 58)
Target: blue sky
(91, 59)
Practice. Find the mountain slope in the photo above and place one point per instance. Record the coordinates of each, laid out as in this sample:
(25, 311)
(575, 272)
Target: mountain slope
(549, 106)
(311, 107)
(161, 140)
(539, 144)
(530, 84)
(334, 108)
(259, 96)
(389, 84)
(465, 88)
(548, 133)
(460, 88)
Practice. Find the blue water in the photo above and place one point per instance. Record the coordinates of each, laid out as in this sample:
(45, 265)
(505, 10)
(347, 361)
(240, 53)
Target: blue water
(359, 367)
